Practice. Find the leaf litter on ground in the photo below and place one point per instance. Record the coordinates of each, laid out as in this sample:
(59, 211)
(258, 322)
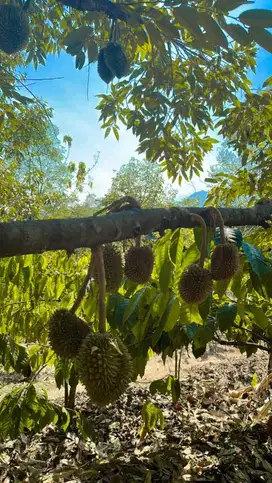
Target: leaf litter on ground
(208, 436)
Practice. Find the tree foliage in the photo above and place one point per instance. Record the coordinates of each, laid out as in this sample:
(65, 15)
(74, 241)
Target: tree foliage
(188, 62)
(143, 181)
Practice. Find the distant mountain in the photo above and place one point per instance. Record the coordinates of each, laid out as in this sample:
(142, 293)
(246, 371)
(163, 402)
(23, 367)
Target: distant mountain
(199, 195)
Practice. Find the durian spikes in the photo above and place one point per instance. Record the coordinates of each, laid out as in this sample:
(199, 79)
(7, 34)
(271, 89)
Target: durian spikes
(225, 257)
(195, 284)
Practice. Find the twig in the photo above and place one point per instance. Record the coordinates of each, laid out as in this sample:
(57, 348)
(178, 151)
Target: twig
(234, 343)
(82, 290)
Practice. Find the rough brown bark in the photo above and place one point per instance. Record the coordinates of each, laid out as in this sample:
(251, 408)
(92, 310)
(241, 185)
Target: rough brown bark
(19, 238)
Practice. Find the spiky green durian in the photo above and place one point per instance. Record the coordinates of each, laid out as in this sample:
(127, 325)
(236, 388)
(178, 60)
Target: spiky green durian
(105, 367)
(114, 269)
(66, 333)
(139, 262)
(116, 60)
(225, 261)
(195, 284)
(103, 70)
(14, 29)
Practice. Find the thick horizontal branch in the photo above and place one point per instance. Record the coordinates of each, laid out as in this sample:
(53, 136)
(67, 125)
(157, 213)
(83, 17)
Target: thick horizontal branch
(25, 237)
(112, 10)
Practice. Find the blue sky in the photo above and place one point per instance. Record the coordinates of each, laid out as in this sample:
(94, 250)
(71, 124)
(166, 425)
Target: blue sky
(76, 116)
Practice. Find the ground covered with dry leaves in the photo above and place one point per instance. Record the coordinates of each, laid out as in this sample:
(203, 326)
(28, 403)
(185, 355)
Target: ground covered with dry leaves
(212, 435)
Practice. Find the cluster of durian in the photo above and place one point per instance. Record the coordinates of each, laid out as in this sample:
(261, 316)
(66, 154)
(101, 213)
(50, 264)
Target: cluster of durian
(196, 282)
(105, 366)
(112, 62)
(14, 28)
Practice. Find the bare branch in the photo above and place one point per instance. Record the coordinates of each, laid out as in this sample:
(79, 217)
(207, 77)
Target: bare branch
(23, 237)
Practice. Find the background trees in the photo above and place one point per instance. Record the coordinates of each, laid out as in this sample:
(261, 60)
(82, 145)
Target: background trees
(142, 180)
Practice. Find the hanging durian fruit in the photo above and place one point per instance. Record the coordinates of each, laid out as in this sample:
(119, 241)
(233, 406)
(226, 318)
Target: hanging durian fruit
(14, 29)
(139, 262)
(104, 362)
(225, 259)
(105, 367)
(195, 284)
(104, 72)
(114, 269)
(66, 333)
(116, 60)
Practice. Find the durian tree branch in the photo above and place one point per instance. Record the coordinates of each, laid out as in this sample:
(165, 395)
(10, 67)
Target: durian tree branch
(112, 10)
(30, 237)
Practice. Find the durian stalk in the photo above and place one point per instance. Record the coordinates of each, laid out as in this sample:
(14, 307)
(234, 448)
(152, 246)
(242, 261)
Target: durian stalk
(99, 263)
(220, 222)
(203, 249)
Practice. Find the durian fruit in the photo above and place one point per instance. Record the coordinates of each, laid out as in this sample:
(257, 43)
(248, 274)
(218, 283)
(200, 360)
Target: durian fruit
(225, 261)
(66, 333)
(14, 29)
(103, 70)
(195, 284)
(105, 367)
(116, 60)
(113, 264)
(139, 262)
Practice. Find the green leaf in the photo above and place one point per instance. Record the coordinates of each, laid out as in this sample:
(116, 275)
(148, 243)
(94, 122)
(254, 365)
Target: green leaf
(134, 303)
(154, 33)
(238, 33)
(161, 385)
(258, 17)
(165, 276)
(198, 238)
(258, 262)
(268, 82)
(92, 52)
(260, 318)
(80, 60)
(254, 380)
(225, 316)
(228, 5)
(116, 133)
(79, 35)
(187, 17)
(173, 312)
(198, 351)
(221, 287)
(204, 308)
(214, 32)
(151, 416)
(204, 334)
(262, 37)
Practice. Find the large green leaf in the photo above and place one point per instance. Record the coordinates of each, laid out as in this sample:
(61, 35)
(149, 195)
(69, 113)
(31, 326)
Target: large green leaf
(172, 314)
(262, 37)
(228, 5)
(214, 32)
(238, 33)
(225, 316)
(257, 17)
(259, 264)
(78, 35)
(260, 318)
(187, 17)
(165, 276)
